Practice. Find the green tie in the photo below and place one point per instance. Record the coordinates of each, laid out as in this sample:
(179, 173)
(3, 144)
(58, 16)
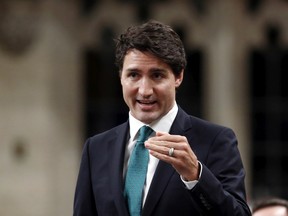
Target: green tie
(136, 173)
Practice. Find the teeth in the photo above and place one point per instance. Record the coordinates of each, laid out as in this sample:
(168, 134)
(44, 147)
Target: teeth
(146, 102)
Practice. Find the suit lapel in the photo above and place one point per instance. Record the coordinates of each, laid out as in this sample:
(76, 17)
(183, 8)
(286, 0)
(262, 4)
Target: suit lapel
(160, 180)
(164, 171)
(116, 167)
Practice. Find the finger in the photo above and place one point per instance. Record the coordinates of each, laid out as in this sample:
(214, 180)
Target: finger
(188, 168)
(162, 136)
(158, 146)
(162, 146)
(168, 144)
(164, 157)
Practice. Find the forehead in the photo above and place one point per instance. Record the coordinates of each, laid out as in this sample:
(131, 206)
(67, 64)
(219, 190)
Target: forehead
(135, 58)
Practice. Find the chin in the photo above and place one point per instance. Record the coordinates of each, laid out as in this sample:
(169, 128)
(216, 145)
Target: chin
(148, 120)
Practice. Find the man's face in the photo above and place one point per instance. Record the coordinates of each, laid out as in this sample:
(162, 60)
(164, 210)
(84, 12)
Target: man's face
(148, 86)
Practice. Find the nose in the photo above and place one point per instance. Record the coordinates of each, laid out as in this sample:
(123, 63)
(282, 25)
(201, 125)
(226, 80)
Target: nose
(145, 87)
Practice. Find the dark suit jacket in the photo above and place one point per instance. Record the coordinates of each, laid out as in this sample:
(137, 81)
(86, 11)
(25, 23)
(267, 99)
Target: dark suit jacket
(220, 190)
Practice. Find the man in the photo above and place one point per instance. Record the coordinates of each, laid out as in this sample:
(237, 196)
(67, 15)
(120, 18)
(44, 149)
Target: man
(194, 167)
(271, 207)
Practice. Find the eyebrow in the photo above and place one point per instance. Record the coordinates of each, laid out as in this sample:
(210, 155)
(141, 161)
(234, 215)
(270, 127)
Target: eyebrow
(158, 70)
(132, 69)
(151, 70)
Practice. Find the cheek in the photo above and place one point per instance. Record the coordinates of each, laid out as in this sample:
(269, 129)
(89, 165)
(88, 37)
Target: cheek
(127, 90)
(167, 90)
(168, 95)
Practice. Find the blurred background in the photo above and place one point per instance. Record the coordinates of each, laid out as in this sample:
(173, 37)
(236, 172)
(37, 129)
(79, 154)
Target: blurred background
(59, 85)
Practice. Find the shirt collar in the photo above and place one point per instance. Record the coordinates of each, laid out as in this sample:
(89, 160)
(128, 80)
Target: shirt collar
(163, 124)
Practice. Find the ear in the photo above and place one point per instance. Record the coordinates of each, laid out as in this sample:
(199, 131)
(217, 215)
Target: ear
(178, 79)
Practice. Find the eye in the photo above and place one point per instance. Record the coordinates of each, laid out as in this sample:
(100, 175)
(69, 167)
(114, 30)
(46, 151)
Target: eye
(133, 75)
(158, 75)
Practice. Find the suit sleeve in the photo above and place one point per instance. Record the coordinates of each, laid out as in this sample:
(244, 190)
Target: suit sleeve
(221, 188)
(84, 203)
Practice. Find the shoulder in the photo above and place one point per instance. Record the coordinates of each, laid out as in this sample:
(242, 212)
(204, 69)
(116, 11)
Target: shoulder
(122, 128)
(99, 144)
(199, 125)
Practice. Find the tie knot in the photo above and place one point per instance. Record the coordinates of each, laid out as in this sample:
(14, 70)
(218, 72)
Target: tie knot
(144, 133)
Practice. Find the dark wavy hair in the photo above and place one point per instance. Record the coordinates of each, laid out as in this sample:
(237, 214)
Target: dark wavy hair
(156, 38)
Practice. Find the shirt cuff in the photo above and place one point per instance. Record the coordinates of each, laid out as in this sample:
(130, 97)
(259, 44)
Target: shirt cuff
(191, 184)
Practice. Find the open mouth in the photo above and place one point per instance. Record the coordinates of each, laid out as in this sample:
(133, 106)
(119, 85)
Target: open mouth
(146, 104)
